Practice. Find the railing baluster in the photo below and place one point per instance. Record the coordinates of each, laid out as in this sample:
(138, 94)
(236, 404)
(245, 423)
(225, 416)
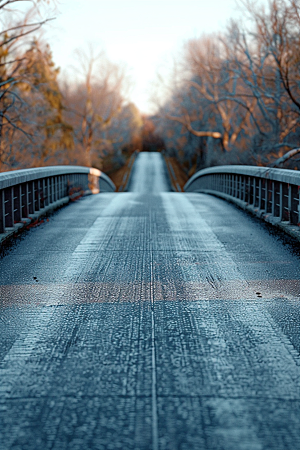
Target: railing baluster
(9, 209)
(280, 202)
(31, 205)
(276, 185)
(47, 196)
(42, 183)
(253, 191)
(56, 188)
(17, 205)
(290, 202)
(2, 212)
(52, 189)
(37, 195)
(24, 200)
(298, 205)
(294, 206)
(60, 187)
(259, 194)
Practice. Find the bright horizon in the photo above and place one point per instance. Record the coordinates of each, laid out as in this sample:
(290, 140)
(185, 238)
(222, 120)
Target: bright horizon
(142, 35)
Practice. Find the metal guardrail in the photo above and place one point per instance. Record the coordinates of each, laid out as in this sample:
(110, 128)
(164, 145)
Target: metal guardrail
(272, 194)
(30, 192)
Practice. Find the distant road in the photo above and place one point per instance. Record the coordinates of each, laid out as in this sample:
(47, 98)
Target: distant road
(149, 174)
(150, 320)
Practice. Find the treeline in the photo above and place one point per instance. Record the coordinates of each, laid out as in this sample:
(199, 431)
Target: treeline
(86, 120)
(235, 97)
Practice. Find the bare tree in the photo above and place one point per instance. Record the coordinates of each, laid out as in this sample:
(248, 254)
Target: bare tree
(242, 88)
(17, 26)
(94, 101)
(212, 77)
(40, 135)
(269, 66)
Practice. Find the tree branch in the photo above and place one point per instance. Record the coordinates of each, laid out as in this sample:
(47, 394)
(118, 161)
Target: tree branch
(285, 157)
(213, 134)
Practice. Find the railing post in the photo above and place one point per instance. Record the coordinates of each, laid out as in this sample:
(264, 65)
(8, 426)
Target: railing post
(65, 186)
(266, 195)
(273, 199)
(56, 188)
(243, 192)
(2, 212)
(241, 187)
(235, 177)
(51, 189)
(290, 203)
(259, 194)
(59, 187)
(24, 200)
(17, 205)
(31, 197)
(42, 190)
(9, 210)
(37, 195)
(298, 205)
(276, 185)
(247, 180)
(47, 198)
(280, 201)
(294, 204)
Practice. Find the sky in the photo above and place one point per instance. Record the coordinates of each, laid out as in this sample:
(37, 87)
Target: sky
(143, 35)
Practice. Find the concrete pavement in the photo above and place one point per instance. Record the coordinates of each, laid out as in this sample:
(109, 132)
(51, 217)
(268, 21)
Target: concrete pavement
(150, 320)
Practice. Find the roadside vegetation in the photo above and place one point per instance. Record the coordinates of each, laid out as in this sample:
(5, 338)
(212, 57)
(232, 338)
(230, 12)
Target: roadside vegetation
(235, 96)
(45, 121)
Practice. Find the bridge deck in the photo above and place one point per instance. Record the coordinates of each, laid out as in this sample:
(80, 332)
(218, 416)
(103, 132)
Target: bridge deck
(150, 321)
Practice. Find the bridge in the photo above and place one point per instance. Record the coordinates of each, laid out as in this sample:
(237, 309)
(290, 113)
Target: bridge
(152, 319)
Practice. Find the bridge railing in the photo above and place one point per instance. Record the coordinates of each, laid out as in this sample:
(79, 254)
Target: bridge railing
(31, 192)
(272, 194)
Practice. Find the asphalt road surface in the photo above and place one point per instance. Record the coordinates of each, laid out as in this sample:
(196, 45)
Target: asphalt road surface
(150, 320)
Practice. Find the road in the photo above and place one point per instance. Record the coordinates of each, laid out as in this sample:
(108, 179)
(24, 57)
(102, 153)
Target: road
(150, 320)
